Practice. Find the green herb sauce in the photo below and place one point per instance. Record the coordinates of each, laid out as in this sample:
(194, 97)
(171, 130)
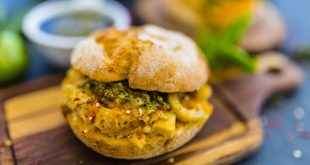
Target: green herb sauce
(122, 95)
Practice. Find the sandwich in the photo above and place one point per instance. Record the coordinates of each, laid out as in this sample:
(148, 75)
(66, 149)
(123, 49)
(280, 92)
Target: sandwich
(136, 93)
(266, 28)
(216, 14)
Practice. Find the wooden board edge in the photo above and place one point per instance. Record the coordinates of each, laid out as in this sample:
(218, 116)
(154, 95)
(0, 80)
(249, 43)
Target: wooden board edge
(6, 151)
(7, 156)
(31, 85)
(233, 149)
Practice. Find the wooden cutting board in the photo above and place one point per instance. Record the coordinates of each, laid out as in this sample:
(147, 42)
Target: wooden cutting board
(31, 117)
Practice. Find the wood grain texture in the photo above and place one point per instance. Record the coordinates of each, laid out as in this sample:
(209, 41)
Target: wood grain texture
(25, 112)
(7, 155)
(41, 136)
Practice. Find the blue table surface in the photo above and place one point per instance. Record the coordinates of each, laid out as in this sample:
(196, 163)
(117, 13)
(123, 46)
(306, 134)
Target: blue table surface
(286, 121)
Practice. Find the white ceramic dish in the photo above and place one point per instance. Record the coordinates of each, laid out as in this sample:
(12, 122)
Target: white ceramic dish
(57, 48)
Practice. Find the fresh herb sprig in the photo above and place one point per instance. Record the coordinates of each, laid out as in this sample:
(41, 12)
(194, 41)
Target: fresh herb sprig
(222, 49)
(302, 53)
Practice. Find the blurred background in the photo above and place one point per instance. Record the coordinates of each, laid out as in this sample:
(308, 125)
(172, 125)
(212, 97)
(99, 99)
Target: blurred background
(36, 38)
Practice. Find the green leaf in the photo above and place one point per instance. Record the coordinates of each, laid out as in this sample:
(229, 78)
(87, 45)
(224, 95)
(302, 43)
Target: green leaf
(222, 49)
(235, 31)
(302, 53)
(235, 56)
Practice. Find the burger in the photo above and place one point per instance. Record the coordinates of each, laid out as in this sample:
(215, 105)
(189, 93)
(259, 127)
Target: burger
(265, 31)
(136, 93)
(210, 12)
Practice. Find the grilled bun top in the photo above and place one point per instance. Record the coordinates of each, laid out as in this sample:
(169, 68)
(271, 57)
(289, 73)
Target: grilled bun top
(150, 57)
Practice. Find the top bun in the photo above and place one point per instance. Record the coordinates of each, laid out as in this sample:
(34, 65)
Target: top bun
(150, 57)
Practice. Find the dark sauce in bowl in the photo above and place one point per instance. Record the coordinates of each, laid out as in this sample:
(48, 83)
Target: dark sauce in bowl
(79, 23)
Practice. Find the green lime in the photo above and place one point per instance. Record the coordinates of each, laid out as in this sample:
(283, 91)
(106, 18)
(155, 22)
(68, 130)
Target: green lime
(13, 58)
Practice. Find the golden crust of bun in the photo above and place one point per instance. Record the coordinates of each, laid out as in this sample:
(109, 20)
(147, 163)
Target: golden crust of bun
(151, 58)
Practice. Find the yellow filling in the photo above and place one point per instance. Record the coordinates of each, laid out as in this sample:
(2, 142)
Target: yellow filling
(121, 125)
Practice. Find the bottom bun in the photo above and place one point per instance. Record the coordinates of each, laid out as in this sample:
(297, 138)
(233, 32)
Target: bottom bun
(124, 149)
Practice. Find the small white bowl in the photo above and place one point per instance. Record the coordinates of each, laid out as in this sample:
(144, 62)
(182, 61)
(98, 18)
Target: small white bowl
(57, 48)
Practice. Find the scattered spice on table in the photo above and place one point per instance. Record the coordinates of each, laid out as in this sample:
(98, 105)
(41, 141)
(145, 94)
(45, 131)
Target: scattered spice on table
(305, 134)
(290, 137)
(271, 121)
(5, 143)
(36, 162)
(275, 123)
(171, 160)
